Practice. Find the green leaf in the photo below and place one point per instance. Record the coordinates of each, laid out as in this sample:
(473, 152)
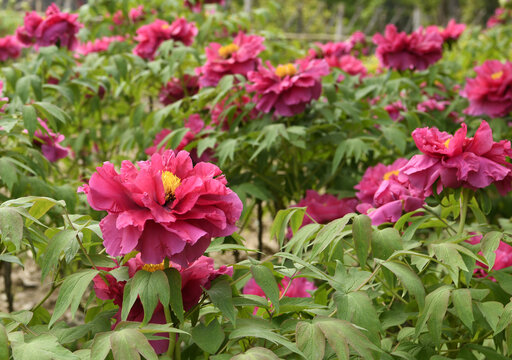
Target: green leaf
(128, 343)
(436, 304)
(150, 287)
(42, 347)
(11, 226)
(11, 259)
(328, 235)
(71, 292)
(48, 110)
(463, 306)
(505, 319)
(362, 232)
(41, 206)
(310, 340)
(409, 279)
(256, 353)
(23, 88)
(489, 244)
(208, 338)
(280, 224)
(57, 244)
(29, 119)
(221, 296)
(266, 280)
(385, 242)
(175, 299)
(8, 172)
(492, 311)
(4, 343)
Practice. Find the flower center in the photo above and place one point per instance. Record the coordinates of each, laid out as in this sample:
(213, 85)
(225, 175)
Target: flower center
(497, 75)
(287, 69)
(153, 267)
(228, 50)
(165, 26)
(447, 143)
(171, 183)
(389, 174)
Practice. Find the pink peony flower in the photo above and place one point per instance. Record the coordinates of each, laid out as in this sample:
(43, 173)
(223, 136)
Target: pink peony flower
(325, 208)
(137, 13)
(400, 51)
(288, 88)
(503, 257)
(150, 36)
(383, 196)
(196, 5)
(10, 48)
(57, 28)
(239, 57)
(331, 50)
(49, 142)
(394, 110)
(454, 161)
(118, 17)
(300, 287)
(194, 278)
(490, 93)
(177, 89)
(499, 17)
(98, 45)
(349, 64)
(165, 208)
(195, 124)
(358, 37)
(432, 105)
(452, 31)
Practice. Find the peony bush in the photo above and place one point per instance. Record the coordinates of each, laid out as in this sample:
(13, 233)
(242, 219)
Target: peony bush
(187, 187)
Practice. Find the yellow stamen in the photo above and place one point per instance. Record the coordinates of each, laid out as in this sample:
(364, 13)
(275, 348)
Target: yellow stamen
(497, 75)
(288, 69)
(153, 267)
(165, 26)
(227, 50)
(390, 173)
(447, 143)
(171, 183)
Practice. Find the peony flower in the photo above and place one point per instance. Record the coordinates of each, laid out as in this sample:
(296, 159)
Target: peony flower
(195, 124)
(240, 103)
(331, 50)
(137, 13)
(288, 88)
(383, 197)
(239, 57)
(325, 208)
(150, 36)
(57, 28)
(349, 64)
(431, 105)
(300, 287)
(118, 17)
(98, 45)
(196, 5)
(399, 51)
(194, 278)
(177, 89)
(499, 17)
(454, 161)
(167, 207)
(49, 142)
(452, 31)
(394, 110)
(10, 48)
(503, 257)
(490, 93)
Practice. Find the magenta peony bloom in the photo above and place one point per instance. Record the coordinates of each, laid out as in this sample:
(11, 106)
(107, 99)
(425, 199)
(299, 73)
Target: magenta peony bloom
(137, 13)
(195, 124)
(98, 45)
(358, 37)
(288, 88)
(194, 278)
(349, 64)
(299, 287)
(500, 16)
(49, 142)
(177, 89)
(57, 28)
(394, 110)
(490, 93)
(239, 57)
(152, 35)
(10, 48)
(452, 31)
(454, 161)
(197, 5)
(432, 105)
(331, 50)
(325, 208)
(399, 51)
(383, 196)
(167, 207)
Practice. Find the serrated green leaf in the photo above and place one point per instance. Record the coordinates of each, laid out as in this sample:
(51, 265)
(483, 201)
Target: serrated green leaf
(436, 304)
(310, 340)
(42, 347)
(128, 343)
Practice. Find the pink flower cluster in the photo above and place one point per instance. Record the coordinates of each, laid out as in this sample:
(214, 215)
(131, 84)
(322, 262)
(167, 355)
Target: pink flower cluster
(239, 57)
(167, 207)
(490, 93)
(197, 5)
(454, 161)
(450, 33)
(383, 195)
(98, 45)
(194, 278)
(399, 51)
(149, 37)
(57, 28)
(10, 48)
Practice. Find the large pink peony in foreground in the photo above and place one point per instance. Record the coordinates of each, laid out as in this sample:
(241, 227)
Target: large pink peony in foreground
(239, 57)
(165, 207)
(56, 28)
(399, 51)
(149, 37)
(454, 161)
(288, 88)
(194, 278)
(490, 93)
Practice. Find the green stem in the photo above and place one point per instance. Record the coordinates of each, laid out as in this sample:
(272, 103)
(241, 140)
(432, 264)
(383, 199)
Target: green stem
(172, 337)
(177, 348)
(465, 196)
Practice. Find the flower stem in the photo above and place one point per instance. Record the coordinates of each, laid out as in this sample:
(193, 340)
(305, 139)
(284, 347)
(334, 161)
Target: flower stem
(172, 337)
(465, 196)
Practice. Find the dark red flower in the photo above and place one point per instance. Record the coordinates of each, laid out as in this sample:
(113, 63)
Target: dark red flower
(178, 88)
